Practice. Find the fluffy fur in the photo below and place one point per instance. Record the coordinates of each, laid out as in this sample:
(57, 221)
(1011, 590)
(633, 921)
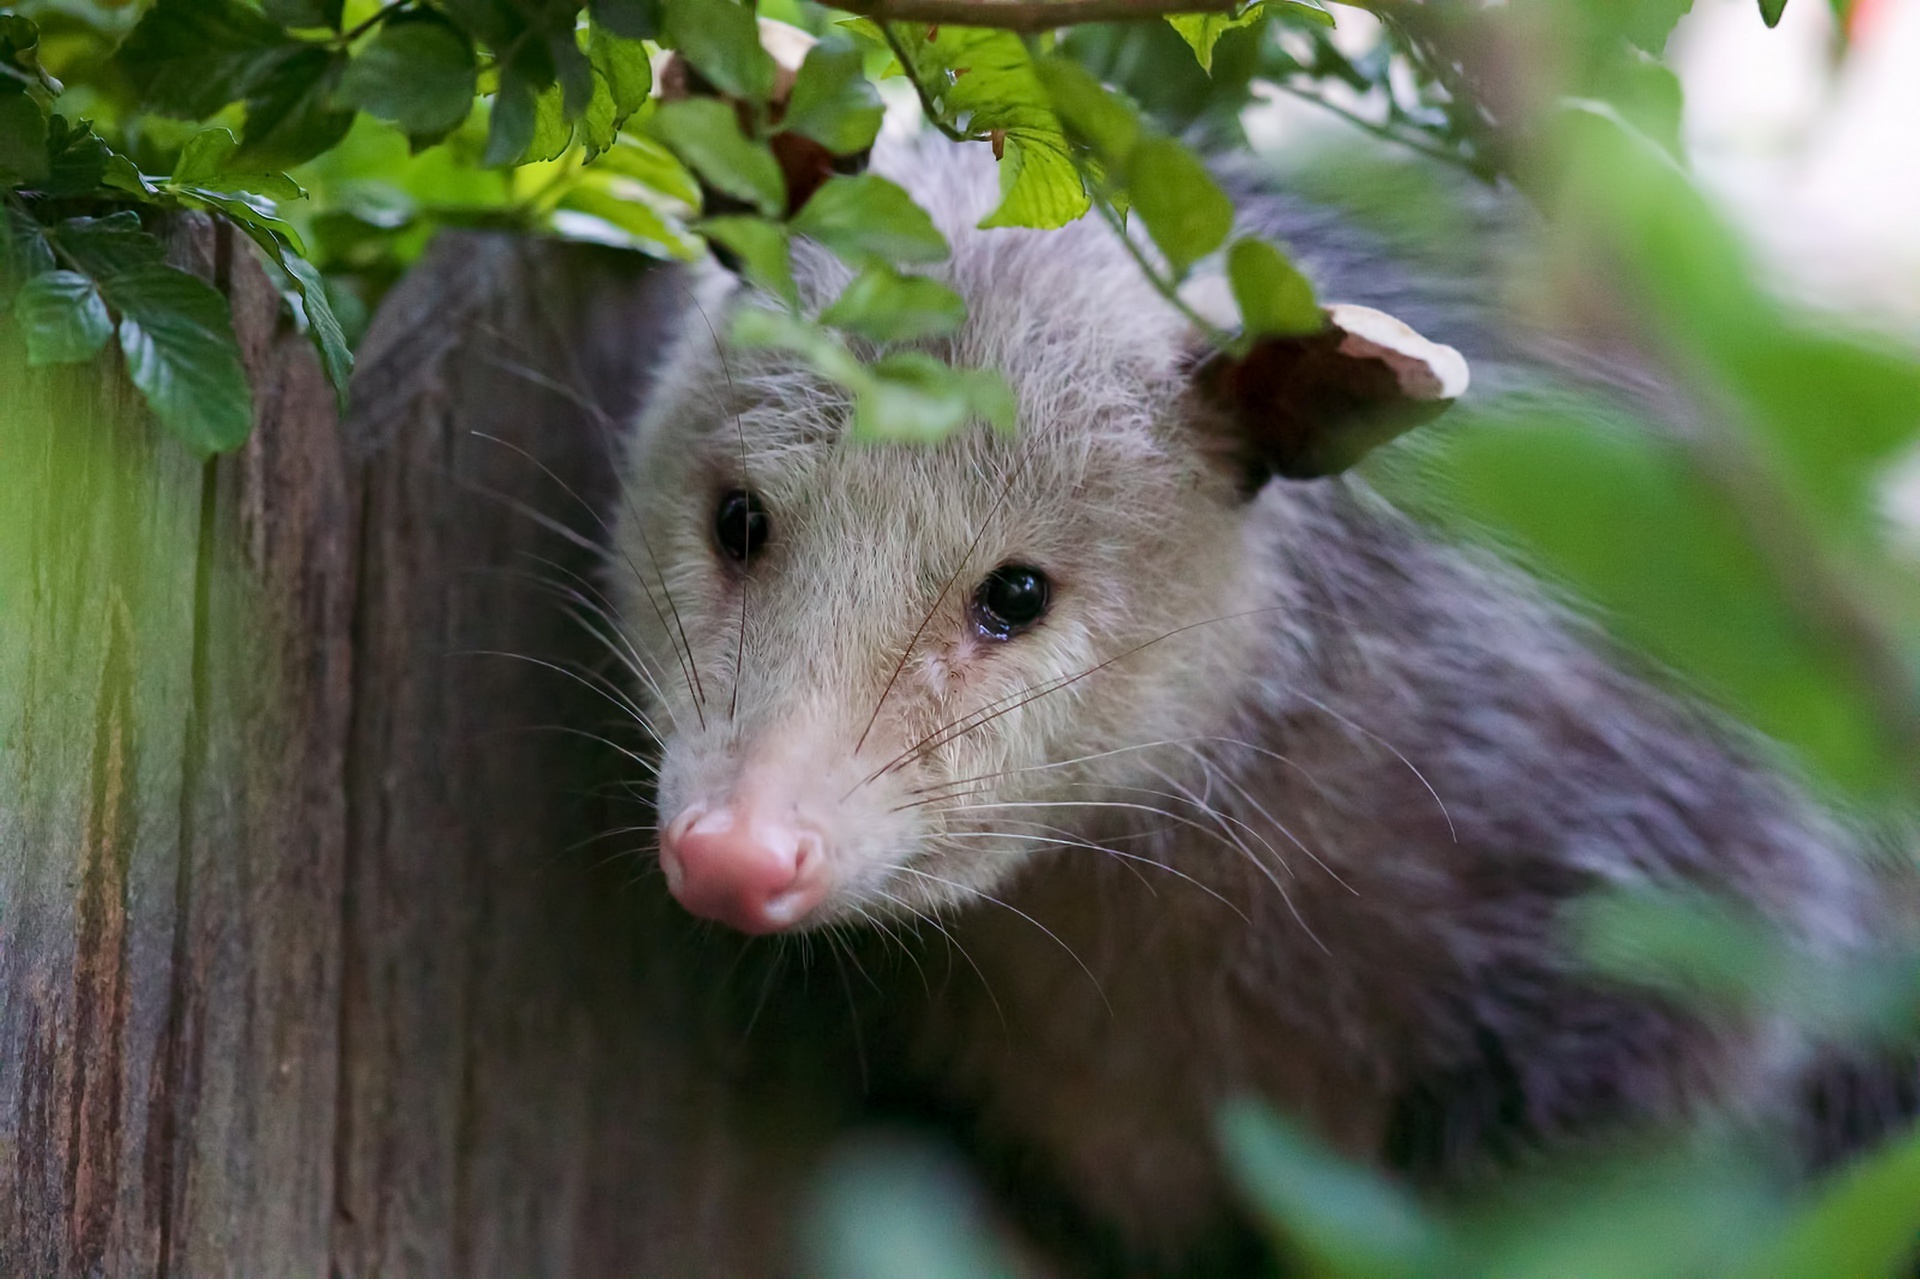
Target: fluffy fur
(1282, 797)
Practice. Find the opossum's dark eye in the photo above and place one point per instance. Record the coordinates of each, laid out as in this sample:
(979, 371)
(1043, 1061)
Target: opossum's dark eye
(1012, 598)
(740, 523)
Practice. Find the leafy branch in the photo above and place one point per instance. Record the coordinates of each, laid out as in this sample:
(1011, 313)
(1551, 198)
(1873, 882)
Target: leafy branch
(1030, 15)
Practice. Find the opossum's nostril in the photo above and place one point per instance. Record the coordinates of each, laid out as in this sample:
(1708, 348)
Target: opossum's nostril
(750, 873)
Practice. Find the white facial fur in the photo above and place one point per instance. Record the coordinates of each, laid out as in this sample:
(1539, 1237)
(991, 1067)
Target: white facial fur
(766, 677)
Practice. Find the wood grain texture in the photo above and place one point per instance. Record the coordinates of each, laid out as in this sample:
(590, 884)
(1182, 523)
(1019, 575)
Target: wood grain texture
(308, 964)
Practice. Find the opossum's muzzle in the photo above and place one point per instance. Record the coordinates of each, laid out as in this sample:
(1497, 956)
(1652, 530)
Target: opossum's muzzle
(747, 870)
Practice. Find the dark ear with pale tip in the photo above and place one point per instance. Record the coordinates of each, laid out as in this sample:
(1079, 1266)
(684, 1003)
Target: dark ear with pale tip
(1312, 405)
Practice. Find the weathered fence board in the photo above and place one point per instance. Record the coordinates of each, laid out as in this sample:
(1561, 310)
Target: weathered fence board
(304, 966)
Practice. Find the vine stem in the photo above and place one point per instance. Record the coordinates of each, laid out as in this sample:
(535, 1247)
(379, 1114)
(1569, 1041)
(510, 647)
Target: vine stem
(381, 15)
(1044, 15)
(1027, 15)
(1164, 286)
(920, 90)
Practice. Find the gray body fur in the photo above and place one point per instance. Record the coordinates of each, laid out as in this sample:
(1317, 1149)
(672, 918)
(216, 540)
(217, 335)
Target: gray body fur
(1345, 798)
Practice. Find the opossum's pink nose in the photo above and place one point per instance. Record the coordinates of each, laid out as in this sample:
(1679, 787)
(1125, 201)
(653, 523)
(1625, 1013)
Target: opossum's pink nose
(746, 871)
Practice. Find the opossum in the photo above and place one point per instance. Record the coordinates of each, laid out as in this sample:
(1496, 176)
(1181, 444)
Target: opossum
(1224, 777)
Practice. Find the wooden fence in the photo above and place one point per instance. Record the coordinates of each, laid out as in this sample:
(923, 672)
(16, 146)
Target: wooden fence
(305, 969)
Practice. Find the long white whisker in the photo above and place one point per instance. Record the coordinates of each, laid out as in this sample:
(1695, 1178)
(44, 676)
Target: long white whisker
(911, 870)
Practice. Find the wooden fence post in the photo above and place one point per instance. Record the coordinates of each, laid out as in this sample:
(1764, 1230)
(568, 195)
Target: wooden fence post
(304, 969)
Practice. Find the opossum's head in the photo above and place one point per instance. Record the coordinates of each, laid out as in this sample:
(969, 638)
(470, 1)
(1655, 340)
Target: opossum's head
(884, 675)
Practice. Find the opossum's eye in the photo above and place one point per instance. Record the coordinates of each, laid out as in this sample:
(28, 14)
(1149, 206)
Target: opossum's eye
(740, 523)
(1012, 598)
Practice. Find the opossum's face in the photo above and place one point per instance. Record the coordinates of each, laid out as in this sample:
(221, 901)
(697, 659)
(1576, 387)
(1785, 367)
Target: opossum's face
(884, 675)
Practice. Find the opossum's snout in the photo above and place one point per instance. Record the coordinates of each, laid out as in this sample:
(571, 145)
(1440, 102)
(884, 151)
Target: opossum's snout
(751, 870)
(772, 830)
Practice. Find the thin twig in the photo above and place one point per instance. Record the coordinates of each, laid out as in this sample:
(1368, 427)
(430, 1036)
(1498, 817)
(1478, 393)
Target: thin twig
(1165, 287)
(908, 69)
(1027, 15)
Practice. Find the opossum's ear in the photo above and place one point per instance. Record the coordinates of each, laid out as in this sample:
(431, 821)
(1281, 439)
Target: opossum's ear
(1314, 404)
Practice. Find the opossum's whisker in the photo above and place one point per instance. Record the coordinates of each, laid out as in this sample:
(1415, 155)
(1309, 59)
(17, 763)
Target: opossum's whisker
(966, 557)
(626, 656)
(572, 730)
(1225, 834)
(853, 1006)
(994, 709)
(1066, 839)
(1071, 952)
(689, 669)
(1123, 805)
(587, 594)
(1391, 749)
(746, 513)
(933, 922)
(906, 906)
(1207, 765)
(616, 697)
(1223, 818)
(780, 953)
(610, 833)
(1038, 768)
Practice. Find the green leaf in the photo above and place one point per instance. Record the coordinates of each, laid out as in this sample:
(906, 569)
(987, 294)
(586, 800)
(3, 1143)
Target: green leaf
(417, 72)
(189, 58)
(833, 102)
(1864, 1224)
(625, 67)
(552, 134)
(1703, 952)
(626, 222)
(1591, 502)
(762, 248)
(511, 124)
(304, 13)
(885, 306)
(1343, 1218)
(1301, 11)
(501, 25)
(722, 40)
(177, 335)
(20, 56)
(865, 216)
(76, 159)
(124, 175)
(113, 245)
(622, 79)
(23, 140)
(208, 161)
(636, 156)
(633, 19)
(1202, 31)
(1186, 212)
(336, 358)
(572, 70)
(64, 320)
(986, 79)
(1274, 298)
(24, 252)
(1770, 11)
(757, 327)
(251, 213)
(705, 133)
(290, 114)
(1092, 115)
(911, 396)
